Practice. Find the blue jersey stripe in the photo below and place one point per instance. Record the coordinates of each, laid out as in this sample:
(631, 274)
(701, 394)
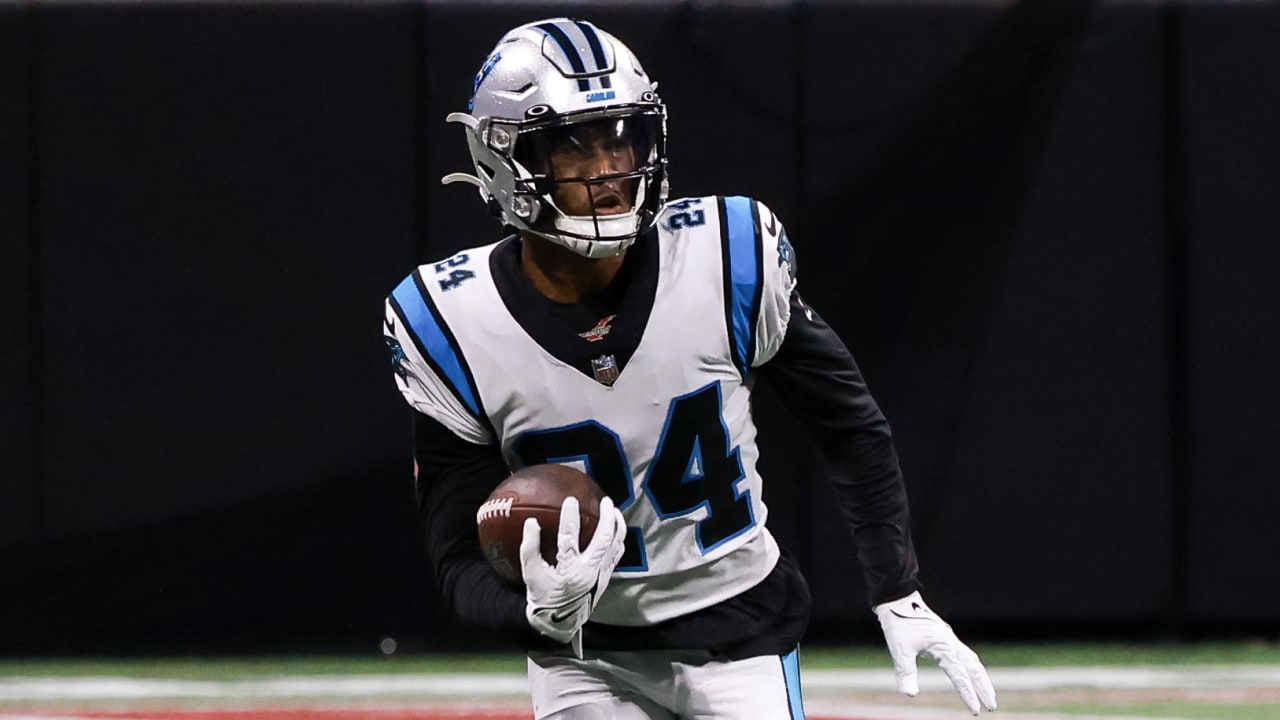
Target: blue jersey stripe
(791, 672)
(744, 276)
(431, 339)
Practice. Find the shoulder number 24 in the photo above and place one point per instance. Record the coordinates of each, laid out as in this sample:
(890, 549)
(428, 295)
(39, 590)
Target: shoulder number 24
(456, 274)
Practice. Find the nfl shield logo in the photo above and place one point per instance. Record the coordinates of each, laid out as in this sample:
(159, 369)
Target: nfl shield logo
(605, 368)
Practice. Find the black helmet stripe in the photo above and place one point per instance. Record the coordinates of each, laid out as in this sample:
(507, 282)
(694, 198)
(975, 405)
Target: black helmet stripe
(597, 50)
(566, 45)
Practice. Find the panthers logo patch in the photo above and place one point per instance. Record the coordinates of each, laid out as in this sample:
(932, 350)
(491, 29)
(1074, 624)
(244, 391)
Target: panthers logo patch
(787, 254)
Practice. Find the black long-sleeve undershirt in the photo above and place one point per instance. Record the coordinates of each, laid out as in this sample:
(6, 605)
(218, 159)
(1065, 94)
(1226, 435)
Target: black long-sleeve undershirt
(454, 478)
(816, 378)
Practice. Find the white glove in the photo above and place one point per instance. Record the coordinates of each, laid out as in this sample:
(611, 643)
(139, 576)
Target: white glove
(912, 629)
(561, 597)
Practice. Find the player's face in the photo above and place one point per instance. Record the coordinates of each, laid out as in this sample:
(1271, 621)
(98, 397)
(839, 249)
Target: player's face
(582, 160)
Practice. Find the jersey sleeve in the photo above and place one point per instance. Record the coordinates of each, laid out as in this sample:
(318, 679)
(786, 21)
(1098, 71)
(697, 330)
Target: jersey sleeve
(759, 277)
(429, 370)
(778, 275)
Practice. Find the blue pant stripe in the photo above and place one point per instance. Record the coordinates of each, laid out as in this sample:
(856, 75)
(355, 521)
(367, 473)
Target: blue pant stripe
(791, 672)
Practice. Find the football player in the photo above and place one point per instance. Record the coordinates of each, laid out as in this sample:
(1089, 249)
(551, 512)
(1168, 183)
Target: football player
(623, 333)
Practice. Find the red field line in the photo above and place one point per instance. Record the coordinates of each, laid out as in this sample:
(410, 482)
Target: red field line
(301, 714)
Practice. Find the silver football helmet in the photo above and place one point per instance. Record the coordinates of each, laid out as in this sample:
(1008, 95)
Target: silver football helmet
(548, 87)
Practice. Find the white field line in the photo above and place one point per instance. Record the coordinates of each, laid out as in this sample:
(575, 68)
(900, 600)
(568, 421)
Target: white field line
(1044, 678)
(328, 686)
(816, 683)
(908, 712)
(833, 711)
(827, 709)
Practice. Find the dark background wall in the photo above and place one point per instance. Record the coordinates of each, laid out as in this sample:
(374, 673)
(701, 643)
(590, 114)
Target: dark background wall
(1047, 231)
(17, 257)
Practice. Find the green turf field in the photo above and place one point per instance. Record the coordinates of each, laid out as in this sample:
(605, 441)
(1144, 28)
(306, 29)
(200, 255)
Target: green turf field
(1209, 681)
(822, 657)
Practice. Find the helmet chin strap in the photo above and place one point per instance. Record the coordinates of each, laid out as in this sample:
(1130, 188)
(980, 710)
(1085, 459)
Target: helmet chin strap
(595, 235)
(584, 236)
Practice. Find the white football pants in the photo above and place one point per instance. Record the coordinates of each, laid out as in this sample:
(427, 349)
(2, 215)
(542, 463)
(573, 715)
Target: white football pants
(665, 685)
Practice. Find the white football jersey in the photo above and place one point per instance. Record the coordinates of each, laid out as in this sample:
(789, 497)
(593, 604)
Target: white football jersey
(671, 439)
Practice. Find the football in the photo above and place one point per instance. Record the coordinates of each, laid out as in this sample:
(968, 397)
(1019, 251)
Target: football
(536, 491)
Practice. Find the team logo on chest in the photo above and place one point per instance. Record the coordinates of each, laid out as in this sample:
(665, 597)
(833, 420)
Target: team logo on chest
(598, 332)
